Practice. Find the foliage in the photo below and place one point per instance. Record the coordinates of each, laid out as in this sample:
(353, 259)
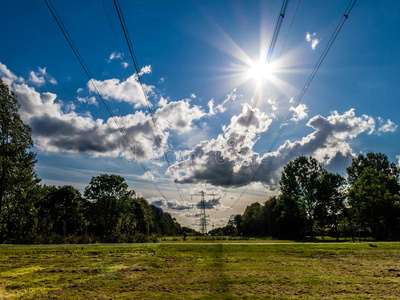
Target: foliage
(116, 214)
(375, 161)
(253, 220)
(311, 198)
(17, 174)
(331, 195)
(60, 212)
(300, 184)
(112, 207)
(375, 200)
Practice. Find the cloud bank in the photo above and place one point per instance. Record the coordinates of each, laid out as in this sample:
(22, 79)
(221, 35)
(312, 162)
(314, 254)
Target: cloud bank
(58, 127)
(213, 161)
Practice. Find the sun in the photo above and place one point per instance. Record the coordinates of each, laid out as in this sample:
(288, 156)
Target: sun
(260, 71)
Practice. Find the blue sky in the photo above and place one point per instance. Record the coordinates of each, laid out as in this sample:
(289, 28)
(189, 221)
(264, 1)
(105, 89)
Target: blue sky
(199, 61)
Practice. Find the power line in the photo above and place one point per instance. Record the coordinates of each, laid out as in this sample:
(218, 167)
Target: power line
(136, 65)
(290, 27)
(307, 84)
(113, 30)
(259, 91)
(87, 71)
(314, 71)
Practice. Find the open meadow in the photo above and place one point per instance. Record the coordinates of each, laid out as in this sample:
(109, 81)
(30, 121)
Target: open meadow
(203, 270)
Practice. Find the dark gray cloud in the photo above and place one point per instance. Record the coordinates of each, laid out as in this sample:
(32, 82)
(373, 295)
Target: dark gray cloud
(170, 204)
(57, 129)
(329, 143)
(210, 204)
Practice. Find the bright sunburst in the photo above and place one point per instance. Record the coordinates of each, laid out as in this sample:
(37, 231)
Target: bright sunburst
(260, 70)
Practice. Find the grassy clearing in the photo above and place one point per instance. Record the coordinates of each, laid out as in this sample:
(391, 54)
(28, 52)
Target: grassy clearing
(236, 239)
(208, 271)
(219, 239)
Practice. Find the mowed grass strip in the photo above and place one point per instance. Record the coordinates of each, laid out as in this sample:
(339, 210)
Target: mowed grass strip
(207, 271)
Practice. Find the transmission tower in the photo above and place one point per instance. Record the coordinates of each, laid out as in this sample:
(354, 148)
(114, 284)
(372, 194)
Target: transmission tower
(203, 220)
(203, 217)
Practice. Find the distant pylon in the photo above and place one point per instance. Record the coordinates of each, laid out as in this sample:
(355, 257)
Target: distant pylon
(203, 220)
(202, 205)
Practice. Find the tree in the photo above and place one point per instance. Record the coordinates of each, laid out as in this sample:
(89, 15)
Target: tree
(164, 223)
(61, 211)
(376, 161)
(112, 205)
(17, 161)
(253, 220)
(290, 219)
(374, 194)
(299, 186)
(331, 196)
(374, 198)
(271, 212)
(239, 224)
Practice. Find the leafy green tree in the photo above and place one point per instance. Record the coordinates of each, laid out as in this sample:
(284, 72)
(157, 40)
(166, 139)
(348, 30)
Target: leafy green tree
(374, 197)
(290, 220)
(376, 161)
(145, 222)
(253, 220)
(374, 194)
(299, 185)
(164, 223)
(331, 196)
(17, 161)
(230, 229)
(271, 213)
(238, 224)
(112, 205)
(62, 211)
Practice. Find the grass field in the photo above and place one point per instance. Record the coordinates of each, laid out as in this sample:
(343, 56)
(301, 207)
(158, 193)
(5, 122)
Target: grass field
(210, 271)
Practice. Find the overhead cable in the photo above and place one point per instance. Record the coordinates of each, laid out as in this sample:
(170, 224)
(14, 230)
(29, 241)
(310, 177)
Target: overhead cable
(149, 106)
(307, 84)
(259, 91)
(104, 101)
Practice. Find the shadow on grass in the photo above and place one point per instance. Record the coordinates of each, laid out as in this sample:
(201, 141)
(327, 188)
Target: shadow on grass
(220, 284)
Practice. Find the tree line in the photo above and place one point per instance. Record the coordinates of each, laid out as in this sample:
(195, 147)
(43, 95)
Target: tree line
(315, 201)
(311, 200)
(34, 213)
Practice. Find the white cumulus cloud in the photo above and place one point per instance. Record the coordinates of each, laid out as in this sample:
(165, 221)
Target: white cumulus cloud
(312, 39)
(221, 108)
(212, 162)
(178, 115)
(89, 100)
(129, 90)
(57, 127)
(115, 55)
(274, 104)
(299, 112)
(7, 76)
(35, 79)
(39, 78)
(147, 176)
(389, 126)
(145, 70)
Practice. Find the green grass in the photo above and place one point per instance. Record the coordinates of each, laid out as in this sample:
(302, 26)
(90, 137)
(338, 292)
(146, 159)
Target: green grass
(207, 271)
(219, 239)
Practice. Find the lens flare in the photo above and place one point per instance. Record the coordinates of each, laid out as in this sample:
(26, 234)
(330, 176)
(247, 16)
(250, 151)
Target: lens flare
(260, 71)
